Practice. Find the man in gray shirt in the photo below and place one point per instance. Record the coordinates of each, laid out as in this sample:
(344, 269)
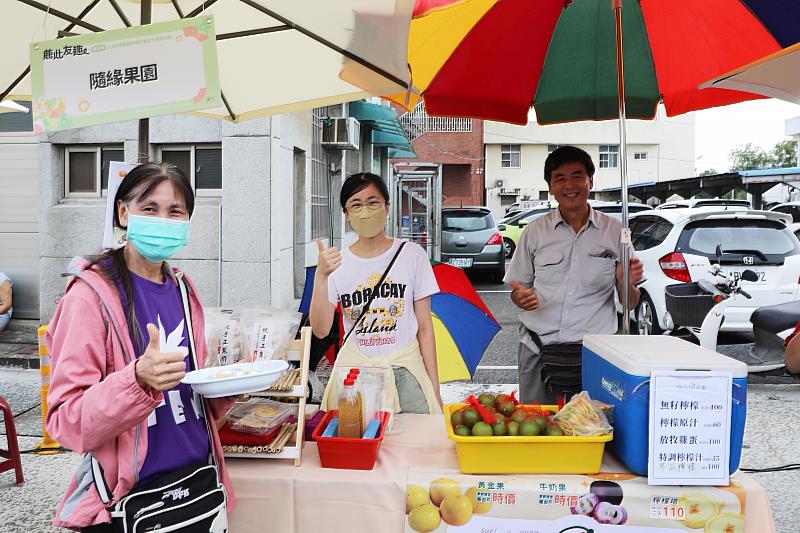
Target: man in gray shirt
(563, 277)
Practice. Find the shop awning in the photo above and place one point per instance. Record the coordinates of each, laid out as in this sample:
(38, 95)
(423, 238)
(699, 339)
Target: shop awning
(386, 130)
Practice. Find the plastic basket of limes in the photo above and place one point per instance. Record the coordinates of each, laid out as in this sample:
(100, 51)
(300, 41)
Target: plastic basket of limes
(523, 440)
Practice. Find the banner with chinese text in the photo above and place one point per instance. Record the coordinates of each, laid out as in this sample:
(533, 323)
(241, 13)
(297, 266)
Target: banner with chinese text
(117, 75)
(439, 501)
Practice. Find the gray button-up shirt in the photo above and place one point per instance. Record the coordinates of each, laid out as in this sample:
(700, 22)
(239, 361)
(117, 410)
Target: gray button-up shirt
(573, 276)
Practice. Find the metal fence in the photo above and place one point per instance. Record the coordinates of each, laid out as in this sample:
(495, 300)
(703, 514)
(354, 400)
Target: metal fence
(417, 122)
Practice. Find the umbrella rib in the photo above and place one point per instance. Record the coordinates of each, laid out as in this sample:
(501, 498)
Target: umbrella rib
(248, 33)
(28, 68)
(360, 60)
(177, 8)
(62, 15)
(227, 106)
(121, 13)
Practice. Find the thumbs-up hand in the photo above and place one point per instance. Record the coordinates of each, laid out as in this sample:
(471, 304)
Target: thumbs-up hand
(329, 259)
(156, 369)
(524, 297)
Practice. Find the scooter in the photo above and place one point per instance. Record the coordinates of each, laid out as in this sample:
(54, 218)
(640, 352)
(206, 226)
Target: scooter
(688, 303)
(771, 326)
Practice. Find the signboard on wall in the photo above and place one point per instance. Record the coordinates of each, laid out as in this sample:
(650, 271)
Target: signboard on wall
(117, 75)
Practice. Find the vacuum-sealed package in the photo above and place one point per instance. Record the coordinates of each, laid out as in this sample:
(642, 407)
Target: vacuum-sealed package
(268, 332)
(223, 336)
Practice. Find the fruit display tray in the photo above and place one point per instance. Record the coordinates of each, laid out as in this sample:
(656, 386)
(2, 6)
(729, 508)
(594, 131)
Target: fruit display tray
(526, 455)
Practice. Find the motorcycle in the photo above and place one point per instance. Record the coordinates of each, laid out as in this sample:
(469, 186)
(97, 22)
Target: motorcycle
(771, 327)
(699, 309)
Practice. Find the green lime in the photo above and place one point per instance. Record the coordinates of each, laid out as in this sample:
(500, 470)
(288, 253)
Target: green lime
(554, 431)
(542, 421)
(487, 399)
(529, 428)
(482, 429)
(463, 431)
(469, 417)
(455, 418)
(499, 429)
(513, 428)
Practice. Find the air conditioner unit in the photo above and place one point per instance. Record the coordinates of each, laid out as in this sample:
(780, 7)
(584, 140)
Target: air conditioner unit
(500, 184)
(341, 132)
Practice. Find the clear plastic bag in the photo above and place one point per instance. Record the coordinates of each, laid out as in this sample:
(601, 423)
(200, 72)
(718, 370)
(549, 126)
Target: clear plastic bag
(268, 332)
(583, 417)
(259, 416)
(223, 336)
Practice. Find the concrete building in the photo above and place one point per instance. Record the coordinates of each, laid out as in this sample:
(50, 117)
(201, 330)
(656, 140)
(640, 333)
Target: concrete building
(265, 189)
(658, 150)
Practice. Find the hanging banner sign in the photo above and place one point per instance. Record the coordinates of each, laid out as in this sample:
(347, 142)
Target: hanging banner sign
(112, 76)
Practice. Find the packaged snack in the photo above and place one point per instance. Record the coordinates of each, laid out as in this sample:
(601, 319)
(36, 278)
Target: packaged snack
(268, 332)
(581, 416)
(259, 416)
(223, 337)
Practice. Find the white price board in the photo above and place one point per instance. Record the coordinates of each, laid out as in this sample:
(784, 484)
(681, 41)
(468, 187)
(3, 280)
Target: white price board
(690, 427)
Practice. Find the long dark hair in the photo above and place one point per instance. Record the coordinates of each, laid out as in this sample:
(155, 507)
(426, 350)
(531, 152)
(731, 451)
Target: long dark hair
(137, 185)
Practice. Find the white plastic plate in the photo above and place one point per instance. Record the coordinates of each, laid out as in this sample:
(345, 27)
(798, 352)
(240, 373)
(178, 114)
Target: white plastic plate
(239, 378)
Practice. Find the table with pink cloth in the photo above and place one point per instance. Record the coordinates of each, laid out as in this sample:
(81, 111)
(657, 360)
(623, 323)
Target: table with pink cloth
(276, 496)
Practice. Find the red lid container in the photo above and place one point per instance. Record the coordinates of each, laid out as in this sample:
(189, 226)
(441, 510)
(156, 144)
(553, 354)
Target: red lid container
(353, 454)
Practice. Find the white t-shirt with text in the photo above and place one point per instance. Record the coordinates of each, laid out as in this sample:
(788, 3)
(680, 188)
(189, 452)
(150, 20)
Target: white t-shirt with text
(390, 323)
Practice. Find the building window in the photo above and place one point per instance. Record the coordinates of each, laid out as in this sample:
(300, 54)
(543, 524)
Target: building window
(201, 163)
(609, 155)
(640, 156)
(543, 195)
(553, 147)
(86, 169)
(509, 155)
(321, 213)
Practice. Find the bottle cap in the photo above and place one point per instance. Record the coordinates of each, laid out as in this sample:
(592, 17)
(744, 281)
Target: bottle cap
(349, 382)
(355, 371)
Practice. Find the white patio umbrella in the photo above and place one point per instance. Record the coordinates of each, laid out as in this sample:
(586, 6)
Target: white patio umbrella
(10, 106)
(275, 56)
(776, 75)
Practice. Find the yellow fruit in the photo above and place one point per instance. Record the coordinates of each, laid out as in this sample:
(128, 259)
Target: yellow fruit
(477, 507)
(726, 523)
(456, 510)
(424, 518)
(699, 509)
(442, 488)
(415, 496)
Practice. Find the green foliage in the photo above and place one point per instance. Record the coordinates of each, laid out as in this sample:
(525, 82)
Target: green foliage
(751, 157)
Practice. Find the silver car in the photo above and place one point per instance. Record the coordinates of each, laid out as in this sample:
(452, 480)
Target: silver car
(471, 240)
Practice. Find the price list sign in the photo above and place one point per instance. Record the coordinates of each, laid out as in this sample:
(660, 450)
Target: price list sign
(690, 421)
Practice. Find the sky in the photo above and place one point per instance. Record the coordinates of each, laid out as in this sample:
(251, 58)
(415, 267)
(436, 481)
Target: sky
(720, 130)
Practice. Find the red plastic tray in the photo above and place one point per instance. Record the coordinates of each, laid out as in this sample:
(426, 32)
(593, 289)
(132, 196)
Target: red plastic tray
(353, 454)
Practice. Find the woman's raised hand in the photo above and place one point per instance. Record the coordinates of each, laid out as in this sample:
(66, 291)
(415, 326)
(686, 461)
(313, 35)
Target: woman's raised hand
(329, 259)
(156, 369)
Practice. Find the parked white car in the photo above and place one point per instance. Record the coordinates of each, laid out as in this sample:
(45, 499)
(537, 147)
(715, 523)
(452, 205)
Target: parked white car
(720, 204)
(793, 209)
(679, 245)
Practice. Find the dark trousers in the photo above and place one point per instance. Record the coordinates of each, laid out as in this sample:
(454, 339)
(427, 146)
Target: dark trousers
(99, 528)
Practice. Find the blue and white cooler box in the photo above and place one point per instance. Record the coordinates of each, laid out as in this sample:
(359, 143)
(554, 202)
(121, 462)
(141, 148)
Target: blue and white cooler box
(616, 370)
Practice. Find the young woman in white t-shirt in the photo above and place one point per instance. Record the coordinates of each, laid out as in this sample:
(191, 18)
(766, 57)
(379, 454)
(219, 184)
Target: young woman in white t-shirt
(397, 331)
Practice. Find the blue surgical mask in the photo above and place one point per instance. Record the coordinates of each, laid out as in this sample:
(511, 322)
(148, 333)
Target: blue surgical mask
(157, 238)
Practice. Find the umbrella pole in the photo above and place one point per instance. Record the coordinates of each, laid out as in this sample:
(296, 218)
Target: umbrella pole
(144, 123)
(625, 237)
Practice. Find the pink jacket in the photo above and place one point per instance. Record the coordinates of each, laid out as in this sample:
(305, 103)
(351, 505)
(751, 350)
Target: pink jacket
(95, 405)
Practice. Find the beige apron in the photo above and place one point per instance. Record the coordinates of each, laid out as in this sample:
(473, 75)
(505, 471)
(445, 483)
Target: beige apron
(409, 358)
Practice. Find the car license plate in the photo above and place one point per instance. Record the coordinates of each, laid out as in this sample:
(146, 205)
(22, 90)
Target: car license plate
(461, 262)
(736, 274)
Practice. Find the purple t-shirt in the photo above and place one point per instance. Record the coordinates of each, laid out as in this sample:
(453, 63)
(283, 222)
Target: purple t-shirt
(176, 432)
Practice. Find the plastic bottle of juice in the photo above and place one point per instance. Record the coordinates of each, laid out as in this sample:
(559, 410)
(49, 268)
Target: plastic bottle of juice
(351, 415)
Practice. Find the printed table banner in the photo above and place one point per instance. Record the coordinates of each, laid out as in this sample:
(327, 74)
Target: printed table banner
(447, 501)
(145, 71)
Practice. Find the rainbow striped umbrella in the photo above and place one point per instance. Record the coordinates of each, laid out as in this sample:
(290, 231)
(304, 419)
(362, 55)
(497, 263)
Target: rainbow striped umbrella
(495, 59)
